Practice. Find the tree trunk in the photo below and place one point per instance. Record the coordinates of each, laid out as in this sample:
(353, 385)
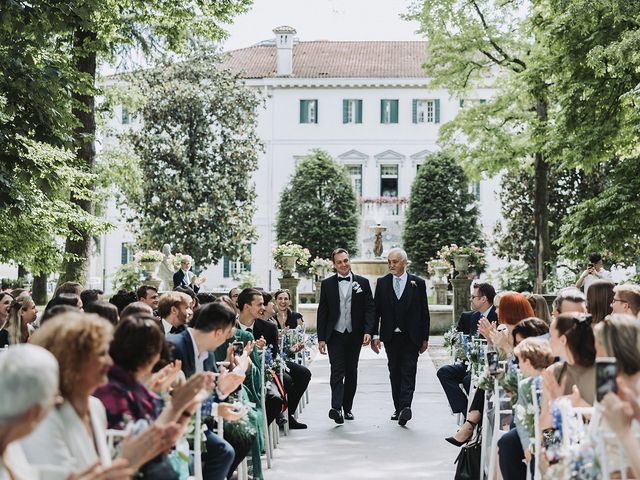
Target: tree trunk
(541, 209)
(39, 289)
(78, 249)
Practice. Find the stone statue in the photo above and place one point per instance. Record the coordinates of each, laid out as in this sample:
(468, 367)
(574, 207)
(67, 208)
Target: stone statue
(166, 269)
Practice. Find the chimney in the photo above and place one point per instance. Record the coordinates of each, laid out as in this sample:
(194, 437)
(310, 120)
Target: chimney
(284, 43)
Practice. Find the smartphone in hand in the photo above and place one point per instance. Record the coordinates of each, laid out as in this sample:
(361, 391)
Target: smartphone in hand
(238, 348)
(606, 371)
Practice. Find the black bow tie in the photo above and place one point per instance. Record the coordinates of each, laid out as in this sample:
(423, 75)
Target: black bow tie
(346, 279)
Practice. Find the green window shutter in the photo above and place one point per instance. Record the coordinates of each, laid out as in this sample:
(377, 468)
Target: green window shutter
(382, 110)
(225, 267)
(304, 112)
(315, 104)
(414, 111)
(345, 111)
(124, 254)
(126, 118)
(358, 111)
(436, 108)
(394, 111)
(482, 100)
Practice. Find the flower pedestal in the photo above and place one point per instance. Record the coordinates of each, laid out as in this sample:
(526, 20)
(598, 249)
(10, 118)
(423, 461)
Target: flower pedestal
(441, 293)
(291, 284)
(150, 269)
(461, 296)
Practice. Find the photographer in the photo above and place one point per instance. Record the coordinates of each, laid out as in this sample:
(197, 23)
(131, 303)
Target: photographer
(594, 271)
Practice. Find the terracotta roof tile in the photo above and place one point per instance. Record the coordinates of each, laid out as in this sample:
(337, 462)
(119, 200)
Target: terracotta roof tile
(324, 59)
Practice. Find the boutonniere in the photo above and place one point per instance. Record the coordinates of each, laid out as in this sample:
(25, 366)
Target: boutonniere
(356, 287)
(413, 283)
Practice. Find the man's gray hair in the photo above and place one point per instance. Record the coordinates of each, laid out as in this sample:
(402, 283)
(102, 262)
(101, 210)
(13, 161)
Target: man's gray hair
(399, 251)
(570, 294)
(28, 377)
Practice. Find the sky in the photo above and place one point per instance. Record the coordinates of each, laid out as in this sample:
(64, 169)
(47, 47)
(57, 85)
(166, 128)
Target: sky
(323, 20)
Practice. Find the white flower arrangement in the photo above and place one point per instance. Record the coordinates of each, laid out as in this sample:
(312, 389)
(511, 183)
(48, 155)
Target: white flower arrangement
(148, 256)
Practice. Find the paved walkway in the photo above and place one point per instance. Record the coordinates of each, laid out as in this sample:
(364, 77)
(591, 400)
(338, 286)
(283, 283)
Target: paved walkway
(372, 446)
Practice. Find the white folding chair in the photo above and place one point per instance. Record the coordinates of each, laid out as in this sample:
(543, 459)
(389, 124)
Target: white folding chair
(281, 375)
(268, 448)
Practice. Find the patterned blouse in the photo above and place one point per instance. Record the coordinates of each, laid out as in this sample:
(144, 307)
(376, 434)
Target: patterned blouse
(126, 400)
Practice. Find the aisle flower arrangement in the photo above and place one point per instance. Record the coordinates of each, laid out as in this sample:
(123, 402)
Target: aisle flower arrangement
(148, 256)
(477, 260)
(290, 249)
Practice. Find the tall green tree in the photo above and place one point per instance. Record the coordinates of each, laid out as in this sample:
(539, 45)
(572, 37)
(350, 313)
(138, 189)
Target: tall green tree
(318, 208)
(490, 43)
(197, 149)
(441, 211)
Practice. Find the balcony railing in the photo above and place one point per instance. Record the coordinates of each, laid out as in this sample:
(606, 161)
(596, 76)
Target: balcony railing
(379, 208)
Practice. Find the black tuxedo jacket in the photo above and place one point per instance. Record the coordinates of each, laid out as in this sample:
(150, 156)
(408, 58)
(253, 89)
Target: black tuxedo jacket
(362, 307)
(411, 309)
(183, 350)
(180, 280)
(468, 322)
(268, 330)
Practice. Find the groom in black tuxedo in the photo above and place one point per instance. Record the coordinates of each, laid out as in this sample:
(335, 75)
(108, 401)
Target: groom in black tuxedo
(345, 323)
(403, 315)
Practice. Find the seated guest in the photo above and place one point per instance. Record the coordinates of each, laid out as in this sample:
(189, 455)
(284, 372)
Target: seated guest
(204, 298)
(569, 299)
(185, 277)
(135, 349)
(67, 287)
(73, 435)
(530, 327)
(452, 376)
(540, 307)
(106, 310)
(148, 294)
(136, 308)
(70, 299)
(191, 293)
(28, 389)
(284, 316)
(122, 299)
(5, 304)
(600, 299)
(626, 299)
(22, 314)
(212, 325)
(174, 309)
(233, 295)
(90, 296)
(534, 356)
(57, 310)
(513, 308)
(296, 380)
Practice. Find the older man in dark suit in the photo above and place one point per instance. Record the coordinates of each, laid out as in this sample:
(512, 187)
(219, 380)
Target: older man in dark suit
(345, 323)
(403, 315)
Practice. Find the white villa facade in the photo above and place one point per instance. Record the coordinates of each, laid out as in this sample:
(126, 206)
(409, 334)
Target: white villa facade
(366, 103)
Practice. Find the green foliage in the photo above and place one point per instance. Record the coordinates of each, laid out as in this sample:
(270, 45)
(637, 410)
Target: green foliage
(127, 277)
(441, 211)
(517, 277)
(514, 237)
(318, 207)
(197, 149)
(608, 221)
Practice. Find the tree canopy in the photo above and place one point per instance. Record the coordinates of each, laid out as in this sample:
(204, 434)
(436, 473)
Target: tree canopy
(318, 208)
(441, 211)
(197, 149)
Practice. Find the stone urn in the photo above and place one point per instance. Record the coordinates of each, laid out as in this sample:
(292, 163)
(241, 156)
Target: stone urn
(441, 272)
(288, 265)
(461, 264)
(149, 267)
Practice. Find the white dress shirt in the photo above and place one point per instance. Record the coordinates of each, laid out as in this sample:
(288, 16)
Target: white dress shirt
(166, 326)
(344, 286)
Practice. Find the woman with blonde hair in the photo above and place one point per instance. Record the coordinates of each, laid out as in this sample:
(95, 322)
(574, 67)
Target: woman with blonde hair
(22, 313)
(73, 435)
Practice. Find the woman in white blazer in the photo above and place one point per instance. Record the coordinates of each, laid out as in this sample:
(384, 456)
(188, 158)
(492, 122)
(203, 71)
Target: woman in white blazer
(73, 435)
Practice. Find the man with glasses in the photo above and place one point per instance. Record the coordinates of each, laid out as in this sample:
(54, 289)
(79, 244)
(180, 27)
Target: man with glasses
(626, 299)
(452, 376)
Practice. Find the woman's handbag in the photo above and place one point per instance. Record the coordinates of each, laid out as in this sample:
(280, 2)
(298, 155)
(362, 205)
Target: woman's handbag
(469, 460)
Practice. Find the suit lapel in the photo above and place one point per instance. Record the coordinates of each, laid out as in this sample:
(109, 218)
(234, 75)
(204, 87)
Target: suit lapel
(190, 360)
(335, 288)
(407, 294)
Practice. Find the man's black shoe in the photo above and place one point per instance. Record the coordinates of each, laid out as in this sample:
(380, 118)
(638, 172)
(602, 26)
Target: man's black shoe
(394, 417)
(336, 416)
(349, 416)
(281, 420)
(404, 417)
(296, 425)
